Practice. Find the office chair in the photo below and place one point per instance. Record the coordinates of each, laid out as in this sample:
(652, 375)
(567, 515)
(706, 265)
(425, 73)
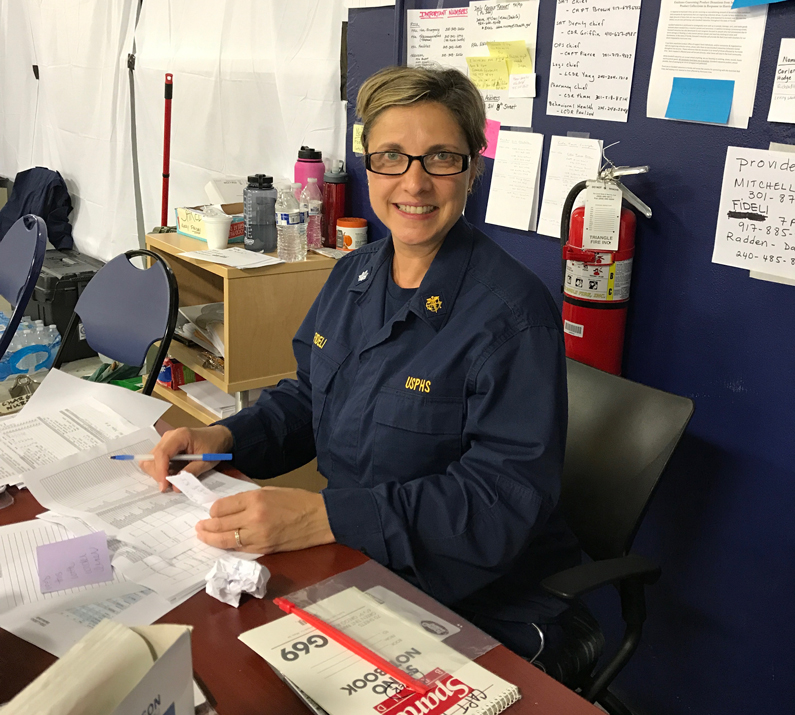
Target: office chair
(124, 310)
(21, 257)
(621, 435)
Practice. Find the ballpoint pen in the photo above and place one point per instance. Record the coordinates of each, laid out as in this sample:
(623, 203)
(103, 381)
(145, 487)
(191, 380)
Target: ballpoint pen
(353, 645)
(208, 457)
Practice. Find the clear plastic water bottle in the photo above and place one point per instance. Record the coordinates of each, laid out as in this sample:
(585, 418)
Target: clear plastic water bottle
(290, 226)
(312, 206)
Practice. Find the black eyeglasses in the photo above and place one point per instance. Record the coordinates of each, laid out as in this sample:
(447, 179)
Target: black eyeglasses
(395, 163)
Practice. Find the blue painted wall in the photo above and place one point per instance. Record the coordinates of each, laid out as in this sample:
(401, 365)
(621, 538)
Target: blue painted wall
(719, 639)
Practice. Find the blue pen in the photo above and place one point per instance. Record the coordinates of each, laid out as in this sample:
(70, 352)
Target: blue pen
(209, 457)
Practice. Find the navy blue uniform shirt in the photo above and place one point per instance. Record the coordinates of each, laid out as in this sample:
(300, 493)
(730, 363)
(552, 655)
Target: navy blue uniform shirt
(441, 431)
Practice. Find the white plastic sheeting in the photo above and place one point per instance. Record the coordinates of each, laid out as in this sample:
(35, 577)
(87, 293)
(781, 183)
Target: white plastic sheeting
(253, 81)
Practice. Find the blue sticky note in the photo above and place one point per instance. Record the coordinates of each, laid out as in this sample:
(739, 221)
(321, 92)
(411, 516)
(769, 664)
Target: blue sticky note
(700, 100)
(752, 3)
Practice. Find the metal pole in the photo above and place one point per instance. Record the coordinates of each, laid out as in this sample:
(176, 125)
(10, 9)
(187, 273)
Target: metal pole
(166, 149)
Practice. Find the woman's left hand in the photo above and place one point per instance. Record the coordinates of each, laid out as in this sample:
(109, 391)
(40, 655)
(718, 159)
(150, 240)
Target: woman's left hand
(268, 520)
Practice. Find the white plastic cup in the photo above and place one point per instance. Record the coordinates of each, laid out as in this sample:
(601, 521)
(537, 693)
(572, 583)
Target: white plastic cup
(216, 230)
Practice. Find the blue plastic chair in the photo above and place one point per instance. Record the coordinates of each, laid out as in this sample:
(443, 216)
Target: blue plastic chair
(21, 257)
(124, 310)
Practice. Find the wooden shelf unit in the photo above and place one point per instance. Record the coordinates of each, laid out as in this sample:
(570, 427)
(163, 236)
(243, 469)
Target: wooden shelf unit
(263, 308)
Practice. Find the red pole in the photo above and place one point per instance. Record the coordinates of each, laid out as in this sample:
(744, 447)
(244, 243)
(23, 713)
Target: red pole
(166, 149)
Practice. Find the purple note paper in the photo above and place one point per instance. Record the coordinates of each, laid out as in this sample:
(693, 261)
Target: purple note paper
(74, 562)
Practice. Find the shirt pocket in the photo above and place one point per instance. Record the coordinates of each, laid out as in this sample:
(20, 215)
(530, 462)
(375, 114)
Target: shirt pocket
(324, 366)
(415, 436)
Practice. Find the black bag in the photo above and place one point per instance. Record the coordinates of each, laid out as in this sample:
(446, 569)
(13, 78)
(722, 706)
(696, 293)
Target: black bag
(41, 192)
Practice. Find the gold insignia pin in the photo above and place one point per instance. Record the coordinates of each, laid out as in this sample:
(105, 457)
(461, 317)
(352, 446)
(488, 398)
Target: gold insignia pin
(433, 304)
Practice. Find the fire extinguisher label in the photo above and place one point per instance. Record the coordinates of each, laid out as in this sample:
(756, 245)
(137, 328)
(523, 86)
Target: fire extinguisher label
(591, 281)
(574, 329)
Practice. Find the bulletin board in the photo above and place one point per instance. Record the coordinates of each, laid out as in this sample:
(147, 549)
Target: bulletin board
(721, 524)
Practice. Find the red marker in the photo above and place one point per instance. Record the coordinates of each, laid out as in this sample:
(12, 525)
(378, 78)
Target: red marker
(353, 646)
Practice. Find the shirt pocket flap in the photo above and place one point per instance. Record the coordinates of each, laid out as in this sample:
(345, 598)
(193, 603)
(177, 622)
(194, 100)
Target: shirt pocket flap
(419, 414)
(325, 364)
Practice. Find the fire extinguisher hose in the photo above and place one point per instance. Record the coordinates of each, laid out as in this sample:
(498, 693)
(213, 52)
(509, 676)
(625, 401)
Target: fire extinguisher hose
(565, 218)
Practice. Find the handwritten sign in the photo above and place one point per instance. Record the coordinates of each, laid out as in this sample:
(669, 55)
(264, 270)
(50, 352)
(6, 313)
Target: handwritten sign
(782, 105)
(593, 56)
(74, 562)
(488, 72)
(756, 216)
(437, 37)
(515, 53)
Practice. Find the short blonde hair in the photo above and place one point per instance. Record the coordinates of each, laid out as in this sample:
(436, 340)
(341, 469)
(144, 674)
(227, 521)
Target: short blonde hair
(401, 86)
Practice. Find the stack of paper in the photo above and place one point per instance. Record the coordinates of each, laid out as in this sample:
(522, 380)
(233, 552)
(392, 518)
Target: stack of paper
(203, 325)
(210, 397)
(234, 257)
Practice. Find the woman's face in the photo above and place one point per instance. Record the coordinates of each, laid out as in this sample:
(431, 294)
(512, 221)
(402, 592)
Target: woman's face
(418, 208)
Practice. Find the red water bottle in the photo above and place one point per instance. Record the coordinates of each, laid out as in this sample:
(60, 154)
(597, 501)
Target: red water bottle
(335, 202)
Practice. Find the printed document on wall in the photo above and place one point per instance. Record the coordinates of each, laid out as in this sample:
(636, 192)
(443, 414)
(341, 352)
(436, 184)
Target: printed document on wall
(756, 215)
(782, 105)
(707, 40)
(437, 37)
(571, 160)
(491, 22)
(513, 195)
(593, 56)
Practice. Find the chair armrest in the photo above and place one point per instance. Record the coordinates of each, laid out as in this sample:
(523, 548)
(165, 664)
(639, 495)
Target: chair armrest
(579, 580)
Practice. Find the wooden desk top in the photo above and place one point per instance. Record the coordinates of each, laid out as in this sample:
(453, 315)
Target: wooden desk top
(240, 681)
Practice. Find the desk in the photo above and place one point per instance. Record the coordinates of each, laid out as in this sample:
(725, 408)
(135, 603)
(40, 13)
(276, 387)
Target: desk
(241, 681)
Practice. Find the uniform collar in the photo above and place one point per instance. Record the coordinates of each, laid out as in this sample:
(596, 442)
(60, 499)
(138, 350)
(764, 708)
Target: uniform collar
(434, 299)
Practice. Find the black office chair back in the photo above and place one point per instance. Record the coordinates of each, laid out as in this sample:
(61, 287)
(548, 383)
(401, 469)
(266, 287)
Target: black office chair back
(621, 435)
(21, 258)
(125, 309)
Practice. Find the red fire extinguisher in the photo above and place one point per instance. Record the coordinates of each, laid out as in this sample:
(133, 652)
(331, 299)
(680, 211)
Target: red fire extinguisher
(597, 276)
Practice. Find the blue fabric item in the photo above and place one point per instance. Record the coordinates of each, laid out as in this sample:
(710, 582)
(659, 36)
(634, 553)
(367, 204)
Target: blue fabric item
(441, 431)
(125, 309)
(41, 192)
(21, 257)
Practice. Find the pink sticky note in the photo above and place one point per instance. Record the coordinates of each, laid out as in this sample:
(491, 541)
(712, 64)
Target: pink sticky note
(492, 135)
(74, 562)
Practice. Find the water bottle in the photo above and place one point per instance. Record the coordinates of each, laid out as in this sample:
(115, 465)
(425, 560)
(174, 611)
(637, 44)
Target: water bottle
(310, 163)
(290, 226)
(312, 206)
(335, 203)
(259, 201)
(297, 189)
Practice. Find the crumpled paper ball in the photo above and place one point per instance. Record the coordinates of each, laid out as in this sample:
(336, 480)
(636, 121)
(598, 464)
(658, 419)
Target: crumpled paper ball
(231, 576)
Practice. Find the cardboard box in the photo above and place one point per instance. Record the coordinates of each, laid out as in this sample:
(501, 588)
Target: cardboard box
(190, 222)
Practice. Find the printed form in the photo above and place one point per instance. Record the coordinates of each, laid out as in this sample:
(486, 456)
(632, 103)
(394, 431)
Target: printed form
(157, 529)
(707, 40)
(30, 442)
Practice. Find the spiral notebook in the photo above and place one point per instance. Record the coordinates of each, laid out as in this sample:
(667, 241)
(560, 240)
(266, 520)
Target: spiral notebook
(342, 683)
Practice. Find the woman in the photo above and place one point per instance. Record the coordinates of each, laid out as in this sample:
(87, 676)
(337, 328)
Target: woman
(430, 385)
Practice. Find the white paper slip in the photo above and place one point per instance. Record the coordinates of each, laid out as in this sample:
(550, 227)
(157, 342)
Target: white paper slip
(437, 37)
(602, 216)
(707, 40)
(782, 104)
(571, 160)
(234, 257)
(342, 682)
(522, 85)
(212, 398)
(194, 489)
(593, 57)
(514, 183)
(756, 214)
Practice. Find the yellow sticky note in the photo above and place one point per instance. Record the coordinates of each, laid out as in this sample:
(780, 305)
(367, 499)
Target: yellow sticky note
(515, 53)
(358, 147)
(488, 72)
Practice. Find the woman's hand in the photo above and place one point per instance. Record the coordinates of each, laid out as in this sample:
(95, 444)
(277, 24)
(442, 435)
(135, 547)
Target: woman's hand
(268, 520)
(187, 441)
